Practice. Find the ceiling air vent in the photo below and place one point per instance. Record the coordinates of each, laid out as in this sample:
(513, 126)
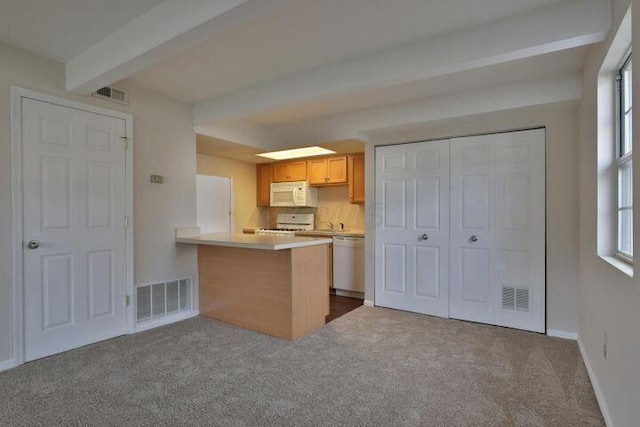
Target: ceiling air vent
(113, 94)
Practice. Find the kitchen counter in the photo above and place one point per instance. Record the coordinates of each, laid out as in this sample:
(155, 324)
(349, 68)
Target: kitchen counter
(318, 233)
(277, 285)
(252, 241)
(331, 233)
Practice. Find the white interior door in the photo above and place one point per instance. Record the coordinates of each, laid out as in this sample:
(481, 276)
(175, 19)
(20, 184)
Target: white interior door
(214, 199)
(412, 227)
(498, 229)
(73, 226)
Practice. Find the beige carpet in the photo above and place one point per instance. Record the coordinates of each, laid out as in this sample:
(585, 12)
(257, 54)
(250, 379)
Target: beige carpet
(372, 367)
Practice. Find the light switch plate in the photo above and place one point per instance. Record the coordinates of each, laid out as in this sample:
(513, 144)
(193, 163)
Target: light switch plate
(157, 179)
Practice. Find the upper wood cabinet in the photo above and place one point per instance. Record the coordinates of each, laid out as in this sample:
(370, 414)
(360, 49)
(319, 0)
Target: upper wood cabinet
(290, 171)
(356, 178)
(263, 185)
(327, 171)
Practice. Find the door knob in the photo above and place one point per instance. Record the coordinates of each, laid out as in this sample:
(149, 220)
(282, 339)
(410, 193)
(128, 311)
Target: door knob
(473, 238)
(33, 244)
(425, 236)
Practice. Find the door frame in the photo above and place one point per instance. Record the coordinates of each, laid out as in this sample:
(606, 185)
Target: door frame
(17, 263)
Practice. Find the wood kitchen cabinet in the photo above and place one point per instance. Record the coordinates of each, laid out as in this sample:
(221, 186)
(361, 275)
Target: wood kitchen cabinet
(263, 185)
(327, 171)
(290, 171)
(356, 178)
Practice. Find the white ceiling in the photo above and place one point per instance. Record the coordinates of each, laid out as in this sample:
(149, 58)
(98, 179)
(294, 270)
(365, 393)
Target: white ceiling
(256, 70)
(556, 63)
(314, 33)
(212, 146)
(61, 29)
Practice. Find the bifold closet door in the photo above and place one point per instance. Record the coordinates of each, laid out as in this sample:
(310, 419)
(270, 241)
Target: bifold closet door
(498, 229)
(412, 227)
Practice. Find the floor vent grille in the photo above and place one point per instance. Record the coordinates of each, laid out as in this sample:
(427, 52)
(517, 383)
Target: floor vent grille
(515, 298)
(161, 300)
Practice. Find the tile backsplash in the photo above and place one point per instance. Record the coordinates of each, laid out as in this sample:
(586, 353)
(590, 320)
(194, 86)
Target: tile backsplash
(333, 206)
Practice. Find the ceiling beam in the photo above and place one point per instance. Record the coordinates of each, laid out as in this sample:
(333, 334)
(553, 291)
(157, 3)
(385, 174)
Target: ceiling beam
(163, 31)
(505, 97)
(240, 132)
(557, 27)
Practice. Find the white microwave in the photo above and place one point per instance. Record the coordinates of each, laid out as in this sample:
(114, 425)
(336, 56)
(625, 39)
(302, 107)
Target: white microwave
(293, 194)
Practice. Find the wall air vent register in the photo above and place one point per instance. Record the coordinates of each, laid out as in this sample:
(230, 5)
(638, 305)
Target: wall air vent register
(112, 94)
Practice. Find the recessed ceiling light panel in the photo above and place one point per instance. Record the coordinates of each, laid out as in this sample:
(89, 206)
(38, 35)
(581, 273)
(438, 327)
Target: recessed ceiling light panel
(296, 153)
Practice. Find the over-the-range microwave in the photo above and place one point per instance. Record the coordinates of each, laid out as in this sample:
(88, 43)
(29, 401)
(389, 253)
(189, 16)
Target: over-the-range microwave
(293, 194)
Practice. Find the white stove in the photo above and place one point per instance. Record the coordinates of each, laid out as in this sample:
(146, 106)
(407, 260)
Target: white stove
(288, 224)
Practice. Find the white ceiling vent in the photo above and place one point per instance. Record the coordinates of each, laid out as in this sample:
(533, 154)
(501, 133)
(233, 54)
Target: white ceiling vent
(113, 94)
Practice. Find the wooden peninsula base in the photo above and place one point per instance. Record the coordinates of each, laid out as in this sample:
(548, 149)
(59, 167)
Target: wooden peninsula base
(284, 293)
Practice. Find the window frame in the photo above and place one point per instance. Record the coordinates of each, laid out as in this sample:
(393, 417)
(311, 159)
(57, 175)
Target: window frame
(622, 158)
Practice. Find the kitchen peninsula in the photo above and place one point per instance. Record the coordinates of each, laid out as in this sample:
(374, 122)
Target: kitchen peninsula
(277, 285)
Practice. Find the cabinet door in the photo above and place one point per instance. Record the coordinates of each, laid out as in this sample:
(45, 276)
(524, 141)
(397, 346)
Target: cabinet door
(263, 185)
(356, 179)
(330, 264)
(281, 172)
(337, 170)
(297, 171)
(317, 171)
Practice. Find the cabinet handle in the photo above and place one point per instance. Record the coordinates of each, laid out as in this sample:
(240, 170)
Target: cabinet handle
(473, 238)
(425, 236)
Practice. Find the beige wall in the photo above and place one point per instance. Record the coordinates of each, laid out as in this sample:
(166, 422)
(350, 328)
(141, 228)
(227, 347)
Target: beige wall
(163, 143)
(609, 300)
(246, 213)
(334, 206)
(562, 196)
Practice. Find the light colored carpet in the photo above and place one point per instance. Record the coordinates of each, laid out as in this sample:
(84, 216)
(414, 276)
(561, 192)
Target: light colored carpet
(372, 367)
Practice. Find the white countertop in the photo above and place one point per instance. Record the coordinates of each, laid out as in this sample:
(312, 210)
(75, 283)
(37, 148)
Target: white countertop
(348, 233)
(252, 241)
(320, 233)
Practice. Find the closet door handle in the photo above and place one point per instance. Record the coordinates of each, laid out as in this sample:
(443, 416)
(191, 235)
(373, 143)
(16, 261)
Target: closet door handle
(473, 238)
(425, 236)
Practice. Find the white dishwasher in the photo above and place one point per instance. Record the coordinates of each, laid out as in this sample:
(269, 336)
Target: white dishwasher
(348, 266)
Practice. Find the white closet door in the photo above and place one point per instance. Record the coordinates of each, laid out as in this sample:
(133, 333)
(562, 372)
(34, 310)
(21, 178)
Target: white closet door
(520, 230)
(472, 199)
(498, 229)
(412, 227)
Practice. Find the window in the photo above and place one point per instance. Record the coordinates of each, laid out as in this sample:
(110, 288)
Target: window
(624, 164)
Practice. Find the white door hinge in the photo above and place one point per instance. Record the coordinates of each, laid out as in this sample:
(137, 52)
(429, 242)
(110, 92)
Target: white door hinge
(125, 141)
(127, 300)
(126, 222)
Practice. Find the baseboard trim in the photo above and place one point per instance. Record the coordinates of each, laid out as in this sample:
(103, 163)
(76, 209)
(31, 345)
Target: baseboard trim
(604, 409)
(8, 364)
(349, 294)
(562, 334)
(368, 303)
(165, 321)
